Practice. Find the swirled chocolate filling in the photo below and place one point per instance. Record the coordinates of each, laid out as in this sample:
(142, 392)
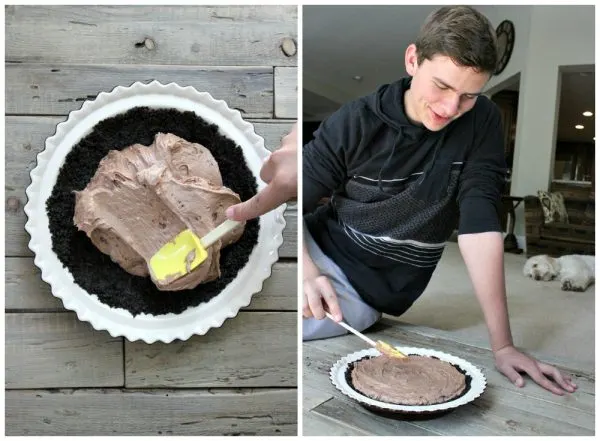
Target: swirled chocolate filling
(416, 380)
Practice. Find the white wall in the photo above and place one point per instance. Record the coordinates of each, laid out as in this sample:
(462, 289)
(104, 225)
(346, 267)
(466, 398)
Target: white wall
(558, 36)
(520, 16)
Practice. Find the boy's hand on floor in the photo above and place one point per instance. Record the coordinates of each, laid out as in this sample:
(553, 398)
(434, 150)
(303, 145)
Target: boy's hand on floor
(510, 361)
(319, 296)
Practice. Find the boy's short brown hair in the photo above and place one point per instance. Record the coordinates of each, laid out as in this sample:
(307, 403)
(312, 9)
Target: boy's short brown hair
(461, 33)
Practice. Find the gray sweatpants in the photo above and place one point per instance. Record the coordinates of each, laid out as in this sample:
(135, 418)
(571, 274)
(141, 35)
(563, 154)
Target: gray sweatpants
(355, 312)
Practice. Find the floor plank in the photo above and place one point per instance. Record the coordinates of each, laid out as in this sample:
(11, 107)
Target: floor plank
(151, 412)
(57, 350)
(315, 424)
(357, 418)
(56, 89)
(26, 291)
(286, 92)
(26, 136)
(254, 349)
(180, 35)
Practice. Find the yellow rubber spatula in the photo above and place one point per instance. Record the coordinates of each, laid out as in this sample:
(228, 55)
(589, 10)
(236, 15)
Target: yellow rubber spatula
(185, 252)
(381, 346)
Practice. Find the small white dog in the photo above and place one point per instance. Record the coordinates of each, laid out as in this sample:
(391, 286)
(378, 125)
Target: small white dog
(575, 272)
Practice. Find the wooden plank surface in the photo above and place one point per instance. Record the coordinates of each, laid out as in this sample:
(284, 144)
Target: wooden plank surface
(57, 350)
(502, 409)
(142, 412)
(175, 35)
(26, 291)
(314, 424)
(52, 89)
(358, 419)
(254, 350)
(286, 92)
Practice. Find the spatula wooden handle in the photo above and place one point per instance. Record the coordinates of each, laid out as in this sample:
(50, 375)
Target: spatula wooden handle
(218, 232)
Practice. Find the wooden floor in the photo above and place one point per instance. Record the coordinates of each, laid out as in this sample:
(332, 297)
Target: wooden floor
(64, 378)
(503, 409)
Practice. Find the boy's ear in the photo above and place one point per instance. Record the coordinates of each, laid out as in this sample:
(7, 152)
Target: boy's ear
(410, 59)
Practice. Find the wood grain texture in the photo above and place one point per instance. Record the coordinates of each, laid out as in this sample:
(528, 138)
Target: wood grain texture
(314, 424)
(25, 138)
(272, 131)
(57, 350)
(358, 419)
(151, 412)
(175, 35)
(52, 89)
(286, 92)
(25, 291)
(253, 350)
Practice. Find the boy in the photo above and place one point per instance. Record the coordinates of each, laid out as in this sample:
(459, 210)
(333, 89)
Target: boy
(401, 166)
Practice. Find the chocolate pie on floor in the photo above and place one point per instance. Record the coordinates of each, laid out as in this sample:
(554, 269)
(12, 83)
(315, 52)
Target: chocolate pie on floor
(414, 381)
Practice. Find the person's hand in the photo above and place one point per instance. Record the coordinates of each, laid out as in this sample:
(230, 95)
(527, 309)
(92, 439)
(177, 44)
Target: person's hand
(319, 296)
(510, 361)
(280, 172)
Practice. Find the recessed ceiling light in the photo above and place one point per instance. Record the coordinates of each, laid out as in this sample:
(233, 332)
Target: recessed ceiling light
(587, 113)
(357, 77)
(579, 127)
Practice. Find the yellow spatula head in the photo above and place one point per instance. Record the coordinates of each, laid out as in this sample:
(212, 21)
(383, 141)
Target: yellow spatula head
(389, 350)
(178, 257)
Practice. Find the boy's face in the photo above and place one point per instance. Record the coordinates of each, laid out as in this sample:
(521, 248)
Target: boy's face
(440, 91)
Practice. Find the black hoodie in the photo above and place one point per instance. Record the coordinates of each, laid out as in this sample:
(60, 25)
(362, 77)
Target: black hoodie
(397, 191)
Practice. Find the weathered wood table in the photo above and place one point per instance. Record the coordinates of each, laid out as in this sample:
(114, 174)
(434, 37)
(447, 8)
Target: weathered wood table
(502, 409)
(65, 378)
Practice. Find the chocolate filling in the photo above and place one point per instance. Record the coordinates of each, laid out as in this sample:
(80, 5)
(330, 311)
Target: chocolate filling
(440, 399)
(143, 196)
(93, 270)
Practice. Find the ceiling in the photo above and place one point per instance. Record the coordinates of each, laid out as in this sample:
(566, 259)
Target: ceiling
(342, 42)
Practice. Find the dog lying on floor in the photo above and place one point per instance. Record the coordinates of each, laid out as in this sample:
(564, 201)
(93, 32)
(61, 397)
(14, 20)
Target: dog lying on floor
(575, 272)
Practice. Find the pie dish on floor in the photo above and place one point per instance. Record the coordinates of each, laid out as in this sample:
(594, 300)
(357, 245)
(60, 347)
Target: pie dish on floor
(342, 378)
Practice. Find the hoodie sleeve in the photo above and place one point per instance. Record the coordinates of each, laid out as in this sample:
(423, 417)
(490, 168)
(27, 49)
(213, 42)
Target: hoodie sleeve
(482, 179)
(324, 159)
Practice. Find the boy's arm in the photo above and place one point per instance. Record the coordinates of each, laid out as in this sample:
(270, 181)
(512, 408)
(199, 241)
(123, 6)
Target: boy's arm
(324, 169)
(482, 247)
(484, 256)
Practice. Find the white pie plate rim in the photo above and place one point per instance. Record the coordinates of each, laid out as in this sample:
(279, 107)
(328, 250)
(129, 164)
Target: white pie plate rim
(116, 321)
(338, 378)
